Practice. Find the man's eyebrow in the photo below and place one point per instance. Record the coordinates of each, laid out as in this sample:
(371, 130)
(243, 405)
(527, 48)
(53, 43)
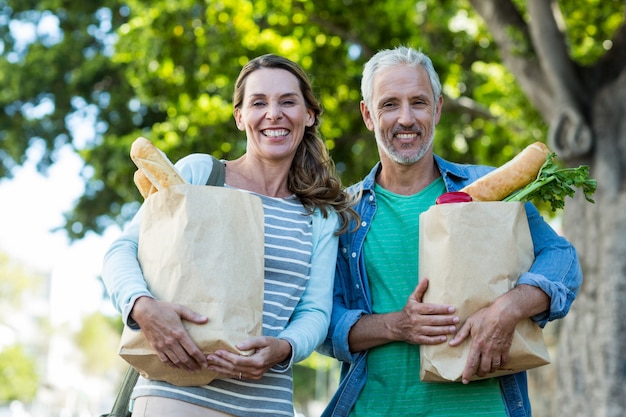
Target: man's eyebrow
(424, 97)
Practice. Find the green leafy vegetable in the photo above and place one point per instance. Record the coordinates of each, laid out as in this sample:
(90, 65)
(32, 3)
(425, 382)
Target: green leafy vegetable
(553, 184)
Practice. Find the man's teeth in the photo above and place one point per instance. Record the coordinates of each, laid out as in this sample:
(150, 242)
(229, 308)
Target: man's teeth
(406, 135)
(276, 133)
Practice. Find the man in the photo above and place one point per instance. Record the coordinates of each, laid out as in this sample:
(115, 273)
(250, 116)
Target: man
(378, 319)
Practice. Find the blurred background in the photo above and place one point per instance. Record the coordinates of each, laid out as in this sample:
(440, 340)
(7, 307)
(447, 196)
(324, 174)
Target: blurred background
(79, 81)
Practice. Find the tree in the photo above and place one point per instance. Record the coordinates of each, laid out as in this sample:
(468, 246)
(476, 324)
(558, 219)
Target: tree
(166, 71)
(514, 72)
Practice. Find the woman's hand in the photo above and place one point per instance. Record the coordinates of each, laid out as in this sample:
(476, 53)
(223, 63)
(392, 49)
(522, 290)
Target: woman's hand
(162, 325)
(266, 352)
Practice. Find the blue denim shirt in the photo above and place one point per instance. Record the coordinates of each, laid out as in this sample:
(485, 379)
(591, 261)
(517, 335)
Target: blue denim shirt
(556, 271)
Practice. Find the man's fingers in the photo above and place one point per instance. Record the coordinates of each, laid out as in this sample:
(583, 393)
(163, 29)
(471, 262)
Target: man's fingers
(471, 366)
(420, 290)
(461, 335)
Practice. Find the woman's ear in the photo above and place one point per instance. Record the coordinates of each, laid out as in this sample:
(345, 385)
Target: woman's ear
(311, 119)
(238, 122)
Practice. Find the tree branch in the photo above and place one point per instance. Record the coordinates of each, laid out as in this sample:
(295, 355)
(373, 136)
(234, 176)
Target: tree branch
(569, 134)
(468, 106)
(549, 43)
(510, 33)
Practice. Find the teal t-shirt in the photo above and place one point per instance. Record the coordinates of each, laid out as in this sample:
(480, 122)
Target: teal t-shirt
(393, 387)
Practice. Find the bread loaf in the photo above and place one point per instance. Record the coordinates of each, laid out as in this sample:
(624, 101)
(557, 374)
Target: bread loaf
(515, 174)
(143, 184)
(154, 164)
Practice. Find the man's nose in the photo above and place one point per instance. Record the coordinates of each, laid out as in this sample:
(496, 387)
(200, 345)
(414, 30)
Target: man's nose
(405, 115)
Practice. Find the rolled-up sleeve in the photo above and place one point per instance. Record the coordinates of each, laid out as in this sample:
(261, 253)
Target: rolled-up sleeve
(556, 269)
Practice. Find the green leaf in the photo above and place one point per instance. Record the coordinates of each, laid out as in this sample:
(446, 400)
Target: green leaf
(554, 184)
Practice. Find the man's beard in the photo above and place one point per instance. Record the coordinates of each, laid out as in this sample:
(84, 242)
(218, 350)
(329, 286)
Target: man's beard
(403, 158)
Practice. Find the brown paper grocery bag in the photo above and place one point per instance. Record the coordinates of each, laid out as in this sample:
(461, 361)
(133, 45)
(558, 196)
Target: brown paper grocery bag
(472, 253)
(202, 247)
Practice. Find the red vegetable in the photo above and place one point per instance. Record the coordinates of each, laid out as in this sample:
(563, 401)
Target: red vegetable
(454, 197)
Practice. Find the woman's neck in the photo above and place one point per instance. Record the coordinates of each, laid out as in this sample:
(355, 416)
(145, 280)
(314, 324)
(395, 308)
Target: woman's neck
(258, 176)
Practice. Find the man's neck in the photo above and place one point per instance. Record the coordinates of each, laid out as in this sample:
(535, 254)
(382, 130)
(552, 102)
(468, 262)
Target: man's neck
(407, 179)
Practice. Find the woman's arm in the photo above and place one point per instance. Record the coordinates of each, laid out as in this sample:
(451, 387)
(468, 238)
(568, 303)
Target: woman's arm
(308, 326)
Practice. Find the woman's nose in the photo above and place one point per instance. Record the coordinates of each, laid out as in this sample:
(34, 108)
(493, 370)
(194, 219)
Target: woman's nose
(274, 111)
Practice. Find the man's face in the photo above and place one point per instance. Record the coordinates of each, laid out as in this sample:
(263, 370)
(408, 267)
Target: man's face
(403, 113)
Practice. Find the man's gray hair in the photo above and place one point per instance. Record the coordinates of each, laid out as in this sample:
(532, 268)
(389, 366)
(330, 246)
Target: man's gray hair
(400, 55)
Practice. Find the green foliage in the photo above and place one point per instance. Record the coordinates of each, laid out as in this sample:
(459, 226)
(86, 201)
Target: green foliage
(18, 376)
(590, 27)
(553, 184)
(314, 379)
(98, 340)
(165, 70)
(14, 282)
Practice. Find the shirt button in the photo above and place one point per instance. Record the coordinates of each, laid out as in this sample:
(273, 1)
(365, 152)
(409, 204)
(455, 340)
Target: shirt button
(371, 198)
(357, 286)
(363, 224)
(344, 250)
(354, 254)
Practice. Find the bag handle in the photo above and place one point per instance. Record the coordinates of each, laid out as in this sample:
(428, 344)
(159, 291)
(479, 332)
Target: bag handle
(121, 406)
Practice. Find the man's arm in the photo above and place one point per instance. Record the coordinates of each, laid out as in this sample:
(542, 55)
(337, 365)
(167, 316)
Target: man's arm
(416, 323)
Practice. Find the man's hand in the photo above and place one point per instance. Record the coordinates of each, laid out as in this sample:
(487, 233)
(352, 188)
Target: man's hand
(416, 323)
(424, 324)
(491, 337)
(492, 328)
(162, 325)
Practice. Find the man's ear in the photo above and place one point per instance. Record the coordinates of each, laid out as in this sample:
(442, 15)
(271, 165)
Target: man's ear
(439, 106)
(367, 116)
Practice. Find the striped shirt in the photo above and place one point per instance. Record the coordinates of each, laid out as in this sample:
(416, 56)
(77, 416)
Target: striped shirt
(288, 250)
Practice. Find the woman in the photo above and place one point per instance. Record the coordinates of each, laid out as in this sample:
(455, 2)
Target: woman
(288, 166)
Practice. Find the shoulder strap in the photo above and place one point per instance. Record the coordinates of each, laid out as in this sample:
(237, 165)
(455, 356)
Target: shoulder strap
(218, 173)
(122, 401)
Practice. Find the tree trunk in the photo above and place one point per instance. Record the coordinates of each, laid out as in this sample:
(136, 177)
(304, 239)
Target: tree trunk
(590, 359)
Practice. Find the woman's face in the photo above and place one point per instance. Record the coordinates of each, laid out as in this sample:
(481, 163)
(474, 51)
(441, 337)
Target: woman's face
(273, 113)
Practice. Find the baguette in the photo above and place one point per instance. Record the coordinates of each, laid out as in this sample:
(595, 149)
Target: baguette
(143, 184)
(154, 164)
(515, 174)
